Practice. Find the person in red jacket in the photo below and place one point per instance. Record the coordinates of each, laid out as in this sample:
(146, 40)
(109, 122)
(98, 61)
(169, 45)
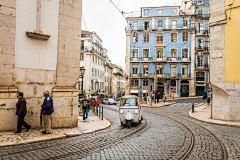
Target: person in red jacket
(21, 113)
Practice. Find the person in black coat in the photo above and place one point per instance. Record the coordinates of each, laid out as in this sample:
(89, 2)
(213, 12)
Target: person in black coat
(21, 113)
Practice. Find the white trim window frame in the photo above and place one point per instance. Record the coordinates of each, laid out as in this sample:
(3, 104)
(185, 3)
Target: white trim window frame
(174, 10)
(159, 69)
(135, 70)
(173, 52)
(146, 53)
(184, 36)
(135, 38)
(146, 38)
(135, 54)
(184, 69)
(135, 25)
(160, 24)
(159, 54)
(185, 54)
(174, 36)
(173, 69)
(160, 11)
(160, 37)
(185, 23)
(146, 12)
(145, 70)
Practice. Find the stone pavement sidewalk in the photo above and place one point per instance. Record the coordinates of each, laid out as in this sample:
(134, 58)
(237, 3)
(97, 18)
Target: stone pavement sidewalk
(203, 113)
(160, 104)
(93, 124)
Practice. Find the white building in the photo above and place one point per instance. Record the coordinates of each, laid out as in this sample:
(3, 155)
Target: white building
(118, 81)
(108, 77)
(92, 58)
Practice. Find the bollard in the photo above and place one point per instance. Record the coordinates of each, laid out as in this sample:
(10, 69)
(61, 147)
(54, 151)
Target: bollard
(193, 107)
(99, 111)
(102, 112)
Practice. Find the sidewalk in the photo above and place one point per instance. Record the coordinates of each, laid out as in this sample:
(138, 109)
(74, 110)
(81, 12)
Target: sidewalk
(203, 113)
(93, 124)
(160, 104)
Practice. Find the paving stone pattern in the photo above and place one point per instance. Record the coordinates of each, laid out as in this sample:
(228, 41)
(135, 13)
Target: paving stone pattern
(164, 138)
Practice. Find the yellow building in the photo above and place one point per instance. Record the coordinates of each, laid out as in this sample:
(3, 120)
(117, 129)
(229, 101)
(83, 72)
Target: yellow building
(225, 59)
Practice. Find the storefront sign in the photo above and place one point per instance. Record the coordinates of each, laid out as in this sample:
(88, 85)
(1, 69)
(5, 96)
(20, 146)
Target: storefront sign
(134, 91)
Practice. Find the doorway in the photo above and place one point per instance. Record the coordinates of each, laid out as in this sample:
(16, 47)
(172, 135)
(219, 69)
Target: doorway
(160, 90)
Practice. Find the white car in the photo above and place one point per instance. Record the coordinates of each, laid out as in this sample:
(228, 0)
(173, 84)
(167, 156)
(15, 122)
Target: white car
(109, 101)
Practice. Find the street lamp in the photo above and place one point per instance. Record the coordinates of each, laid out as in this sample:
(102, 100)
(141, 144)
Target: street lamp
(82, 70)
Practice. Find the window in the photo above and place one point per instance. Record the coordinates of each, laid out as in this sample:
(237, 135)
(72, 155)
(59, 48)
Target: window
(185, 23)
(135, 25)
(185, 54)
(135, 38)
(146, 12)
(185, 36)
(200, 43)
(160, 11)
(146, 38)
(200, 12)
(159, 37)
(96, 60)
(92, 72)
(81, 56)
(146, 25)
(174, 24)
(135, 53)
(173, 37)
(159, 69)
(145, 53)
(174, 10)
(160, 24)
(145, 82)
(199, 60)
(98, 73)
(93, 58)
(200, 76)
(173, 70)
(173, 83)
(135, 69)
(145, 69)
(185, 70)
(160, 53)
(95, 72)
(134, 82)
(200, 2)
(173, 53)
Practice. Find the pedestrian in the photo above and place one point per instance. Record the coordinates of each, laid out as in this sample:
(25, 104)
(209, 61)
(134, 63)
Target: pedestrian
(164, 98)
(158, 97)
(47, 110)
(21, 113)
(85, 107)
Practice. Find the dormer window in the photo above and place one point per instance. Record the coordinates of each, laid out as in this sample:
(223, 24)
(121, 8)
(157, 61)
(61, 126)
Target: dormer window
(146, 12)
(199, 2)
(160, 11)
(174, 10)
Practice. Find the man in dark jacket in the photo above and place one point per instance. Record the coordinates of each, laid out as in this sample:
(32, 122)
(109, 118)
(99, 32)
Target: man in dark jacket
(21, 113)
(47, 110)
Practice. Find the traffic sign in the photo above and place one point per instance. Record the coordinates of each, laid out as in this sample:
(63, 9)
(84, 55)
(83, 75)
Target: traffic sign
(151, 92)
(208, 90)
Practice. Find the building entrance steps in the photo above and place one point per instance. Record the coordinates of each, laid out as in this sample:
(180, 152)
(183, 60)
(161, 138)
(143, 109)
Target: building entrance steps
(203, 113)
(93, 124)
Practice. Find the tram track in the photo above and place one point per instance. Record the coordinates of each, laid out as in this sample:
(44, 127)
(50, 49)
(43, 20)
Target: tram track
(100, 140)
(190, 149)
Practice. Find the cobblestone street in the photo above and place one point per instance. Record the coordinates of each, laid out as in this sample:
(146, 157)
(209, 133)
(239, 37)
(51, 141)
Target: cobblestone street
(165, 133)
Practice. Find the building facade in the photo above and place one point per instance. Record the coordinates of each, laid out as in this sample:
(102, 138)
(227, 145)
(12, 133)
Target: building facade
(42, 54)
(159, 52)
(224, 59)
(108, 78)
(200, 12)
(93, 60)
(118, 81)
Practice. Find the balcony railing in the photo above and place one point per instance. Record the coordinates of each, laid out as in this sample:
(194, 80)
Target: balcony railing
(203, 67)
(202, 32)
(202, 15)
(157, 27)
(205, 49)
(204, 2)
(86, 48)
(156, 59)
(163, 75)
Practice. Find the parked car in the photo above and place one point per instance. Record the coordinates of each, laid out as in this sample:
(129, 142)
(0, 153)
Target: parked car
(118, 99)
(204, 95)
(112, 101)
(105, 101)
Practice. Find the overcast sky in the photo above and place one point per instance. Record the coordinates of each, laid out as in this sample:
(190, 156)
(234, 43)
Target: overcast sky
(102, 17)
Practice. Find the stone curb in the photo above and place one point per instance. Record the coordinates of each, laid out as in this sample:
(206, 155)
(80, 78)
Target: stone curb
(149, 106)
(66, 135)
(212, 121)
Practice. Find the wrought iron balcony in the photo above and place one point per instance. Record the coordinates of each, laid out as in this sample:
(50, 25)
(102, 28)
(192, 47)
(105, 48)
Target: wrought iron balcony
(202, 32)
(202, 67)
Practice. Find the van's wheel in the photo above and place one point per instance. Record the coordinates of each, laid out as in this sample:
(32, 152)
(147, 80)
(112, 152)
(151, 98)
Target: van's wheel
(140, 121)
(141, 118)
(128, 124)
(121, 123)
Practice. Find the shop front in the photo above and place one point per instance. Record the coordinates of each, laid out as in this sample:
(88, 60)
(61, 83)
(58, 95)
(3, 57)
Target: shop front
(184, 88)
(134, 92)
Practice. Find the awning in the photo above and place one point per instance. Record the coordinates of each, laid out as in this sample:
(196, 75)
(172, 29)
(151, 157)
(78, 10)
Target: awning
(145, 91)
(134, 91)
